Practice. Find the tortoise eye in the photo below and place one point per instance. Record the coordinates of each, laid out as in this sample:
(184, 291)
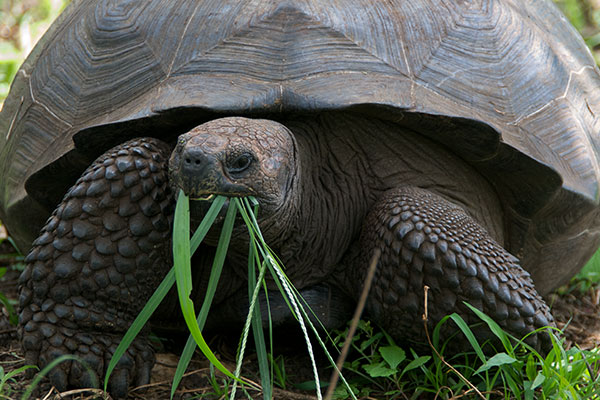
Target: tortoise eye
(240, 163)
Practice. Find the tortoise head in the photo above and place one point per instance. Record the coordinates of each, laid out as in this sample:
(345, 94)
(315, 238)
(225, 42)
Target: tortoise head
(236, 157)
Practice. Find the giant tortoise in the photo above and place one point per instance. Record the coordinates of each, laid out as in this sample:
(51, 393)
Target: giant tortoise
(458, 137)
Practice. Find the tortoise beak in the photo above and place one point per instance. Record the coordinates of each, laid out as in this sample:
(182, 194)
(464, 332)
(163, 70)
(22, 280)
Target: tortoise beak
(201, 174)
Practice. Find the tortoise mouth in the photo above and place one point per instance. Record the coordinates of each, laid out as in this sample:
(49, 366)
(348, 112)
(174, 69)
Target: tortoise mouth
(198, 210)
(204, 197)
(209, 196)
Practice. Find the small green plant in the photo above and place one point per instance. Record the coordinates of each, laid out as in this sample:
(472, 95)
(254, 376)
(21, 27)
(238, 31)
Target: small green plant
(8, 378)
(514, 370)
(221, 389)
(8, 303)
(379, 365)
(279, 374)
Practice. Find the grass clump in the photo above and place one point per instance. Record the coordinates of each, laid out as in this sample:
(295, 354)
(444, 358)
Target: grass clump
(381, 369)
(8, 378)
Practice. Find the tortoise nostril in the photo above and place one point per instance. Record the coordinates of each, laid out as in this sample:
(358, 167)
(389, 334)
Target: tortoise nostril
(195, 159)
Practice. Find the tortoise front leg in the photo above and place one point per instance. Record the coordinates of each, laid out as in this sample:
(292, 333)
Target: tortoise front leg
(98, 259)
(427, 241)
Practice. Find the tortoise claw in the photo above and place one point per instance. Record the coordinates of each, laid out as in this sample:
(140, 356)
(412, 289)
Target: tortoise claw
(119, 383)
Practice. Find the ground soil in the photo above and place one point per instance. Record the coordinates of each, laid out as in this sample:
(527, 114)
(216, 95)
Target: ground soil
(576, 311)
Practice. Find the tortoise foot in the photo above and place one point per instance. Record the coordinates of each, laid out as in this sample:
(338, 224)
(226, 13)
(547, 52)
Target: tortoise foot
(427, 241)
(92, 352)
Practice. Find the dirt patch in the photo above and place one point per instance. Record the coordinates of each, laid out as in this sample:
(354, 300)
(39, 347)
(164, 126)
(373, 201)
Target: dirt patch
(578, 313)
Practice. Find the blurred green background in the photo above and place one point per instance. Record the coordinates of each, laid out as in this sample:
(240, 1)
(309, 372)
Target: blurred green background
(23, 22)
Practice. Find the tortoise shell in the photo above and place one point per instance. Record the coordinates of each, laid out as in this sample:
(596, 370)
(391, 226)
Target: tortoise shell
(507, 85)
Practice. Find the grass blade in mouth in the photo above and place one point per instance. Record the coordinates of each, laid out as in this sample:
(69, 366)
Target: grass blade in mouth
(254, 317)
(183, 271)
(285, 287)
(190, 345)
(206, 223)
(266, 373)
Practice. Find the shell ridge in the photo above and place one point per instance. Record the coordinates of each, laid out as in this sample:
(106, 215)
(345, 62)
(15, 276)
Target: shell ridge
(180, 41)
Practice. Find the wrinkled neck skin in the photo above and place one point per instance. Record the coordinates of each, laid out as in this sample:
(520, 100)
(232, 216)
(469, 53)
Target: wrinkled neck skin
(322, 212)
(277, 218)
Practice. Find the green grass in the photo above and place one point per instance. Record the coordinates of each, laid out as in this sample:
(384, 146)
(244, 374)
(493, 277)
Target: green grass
(7, 378)
(382, 369)
(590, 273)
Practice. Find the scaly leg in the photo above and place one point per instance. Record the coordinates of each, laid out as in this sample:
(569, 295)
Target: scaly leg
(426, 240)
(98, 259)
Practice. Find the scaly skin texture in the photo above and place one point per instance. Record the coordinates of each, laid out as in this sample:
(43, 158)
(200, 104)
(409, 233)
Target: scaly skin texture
(98, 259)
(428, 241)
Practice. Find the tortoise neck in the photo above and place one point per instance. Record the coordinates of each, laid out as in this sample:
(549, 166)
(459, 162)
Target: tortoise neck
(325, 209)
